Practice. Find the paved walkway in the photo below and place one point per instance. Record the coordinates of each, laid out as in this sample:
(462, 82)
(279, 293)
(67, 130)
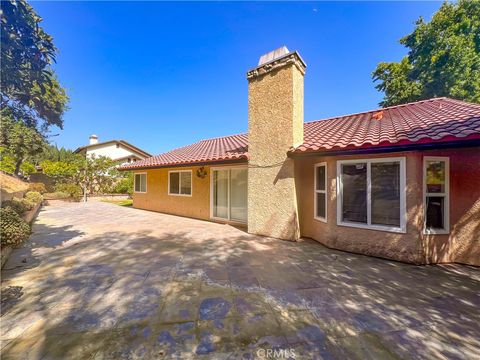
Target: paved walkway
(100, 281)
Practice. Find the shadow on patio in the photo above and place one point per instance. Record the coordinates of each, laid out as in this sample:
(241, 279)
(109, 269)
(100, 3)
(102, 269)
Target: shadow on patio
(194, 292)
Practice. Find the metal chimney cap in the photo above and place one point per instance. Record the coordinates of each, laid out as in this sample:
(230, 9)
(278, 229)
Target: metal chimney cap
(273, 55)
(276, 59)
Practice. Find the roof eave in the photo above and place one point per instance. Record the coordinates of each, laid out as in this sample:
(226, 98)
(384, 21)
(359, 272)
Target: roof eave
(242, 159)
(448, 142)
(123, 142)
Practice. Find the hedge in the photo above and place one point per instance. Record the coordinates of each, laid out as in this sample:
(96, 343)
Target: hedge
(20, 206)
(34, 197)
(13, 229)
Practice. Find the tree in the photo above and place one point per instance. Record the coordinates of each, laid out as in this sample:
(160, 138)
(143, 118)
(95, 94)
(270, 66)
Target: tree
(18, 141)
(31, 98)
(53, 153)
(443, 58)
(96, 174)
(28, 85)
(61, 171)
(93, 174)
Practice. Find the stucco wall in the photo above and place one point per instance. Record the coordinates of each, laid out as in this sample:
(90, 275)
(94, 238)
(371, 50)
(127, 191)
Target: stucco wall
(112, 151)
(461, 245)
(275, 106)
(398, 246)
(157, 198)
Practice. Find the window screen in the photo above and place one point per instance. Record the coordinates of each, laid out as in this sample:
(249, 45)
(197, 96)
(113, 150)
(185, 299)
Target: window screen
(354, 199)
(321, 191)
(140, 182)
(180, 183)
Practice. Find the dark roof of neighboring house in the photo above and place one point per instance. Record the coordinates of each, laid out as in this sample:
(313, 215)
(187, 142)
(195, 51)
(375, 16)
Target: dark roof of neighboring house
(426, 121)
(123, 142)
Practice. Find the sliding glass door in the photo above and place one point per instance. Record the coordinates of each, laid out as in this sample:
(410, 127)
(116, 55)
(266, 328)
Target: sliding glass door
(229, 194)
(220, 194)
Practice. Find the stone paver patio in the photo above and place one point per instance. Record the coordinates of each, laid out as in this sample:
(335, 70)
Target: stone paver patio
(99, 281)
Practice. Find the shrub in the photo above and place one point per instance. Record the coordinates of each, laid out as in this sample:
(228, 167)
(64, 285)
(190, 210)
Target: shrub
(34, 197)
(7, 164)
(13, 229)
(57, 195)
(73, 190)
(39, 187)
(27, 168)
(20, 206)
(123, 186)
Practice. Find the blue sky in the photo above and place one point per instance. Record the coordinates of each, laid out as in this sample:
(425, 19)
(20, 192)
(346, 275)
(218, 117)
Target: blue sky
(164, 75)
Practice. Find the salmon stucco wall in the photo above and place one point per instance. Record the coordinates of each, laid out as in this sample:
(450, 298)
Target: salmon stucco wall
(398, 246)
(461, 245)
(275, 124)
(157, 198)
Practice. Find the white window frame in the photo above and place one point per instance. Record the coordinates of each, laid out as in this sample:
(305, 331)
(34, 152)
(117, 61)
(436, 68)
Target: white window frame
(212, 169)
(135, 182)
(403, 191)
(179, 183)
(315, 192)
(445, 195)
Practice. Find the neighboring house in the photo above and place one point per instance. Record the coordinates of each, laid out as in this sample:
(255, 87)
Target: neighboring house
(118, 150)
(401, 182)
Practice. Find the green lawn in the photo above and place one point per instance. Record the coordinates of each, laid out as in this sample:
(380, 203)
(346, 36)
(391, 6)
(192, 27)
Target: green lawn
(125, 202)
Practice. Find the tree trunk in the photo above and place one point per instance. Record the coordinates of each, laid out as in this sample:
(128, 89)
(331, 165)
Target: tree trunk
(17, 167)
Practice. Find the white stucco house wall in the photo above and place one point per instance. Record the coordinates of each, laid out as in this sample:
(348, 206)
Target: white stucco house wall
(118, 150)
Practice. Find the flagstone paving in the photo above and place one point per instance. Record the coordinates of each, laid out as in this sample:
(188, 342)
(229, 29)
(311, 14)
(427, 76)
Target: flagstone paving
(101, 281)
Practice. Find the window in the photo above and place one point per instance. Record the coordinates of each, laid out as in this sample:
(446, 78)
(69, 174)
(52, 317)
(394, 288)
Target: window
(140, 182)
(320, 201)
(180, 183)
(436, 188)
(372, 194)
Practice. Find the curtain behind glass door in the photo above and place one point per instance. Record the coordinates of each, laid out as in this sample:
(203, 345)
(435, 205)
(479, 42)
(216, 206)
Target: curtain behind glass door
(220, 194)
(238, 195)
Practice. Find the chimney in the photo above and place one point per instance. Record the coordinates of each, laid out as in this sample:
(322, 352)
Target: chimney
(93, 139)
(275, 125)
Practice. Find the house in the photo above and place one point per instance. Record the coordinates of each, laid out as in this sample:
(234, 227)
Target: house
(118, 150)
(401, 182)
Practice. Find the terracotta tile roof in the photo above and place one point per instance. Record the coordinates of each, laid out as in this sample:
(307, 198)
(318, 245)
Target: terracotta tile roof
(423, 121)
(426, 120)
(228, 148)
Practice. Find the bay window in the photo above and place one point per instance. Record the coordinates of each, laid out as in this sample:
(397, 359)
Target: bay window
(436, 198)
(371, 194)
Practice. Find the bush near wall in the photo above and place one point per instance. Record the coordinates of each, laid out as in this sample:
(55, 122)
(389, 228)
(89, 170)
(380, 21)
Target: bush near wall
(38, 187)
(20, 206)
(34, 197)
(13, 229)
(57, 195)
(123, 186)
(73, 190)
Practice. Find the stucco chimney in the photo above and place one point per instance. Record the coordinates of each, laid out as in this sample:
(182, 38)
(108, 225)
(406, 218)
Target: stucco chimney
(93, 139)
(275, 125)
